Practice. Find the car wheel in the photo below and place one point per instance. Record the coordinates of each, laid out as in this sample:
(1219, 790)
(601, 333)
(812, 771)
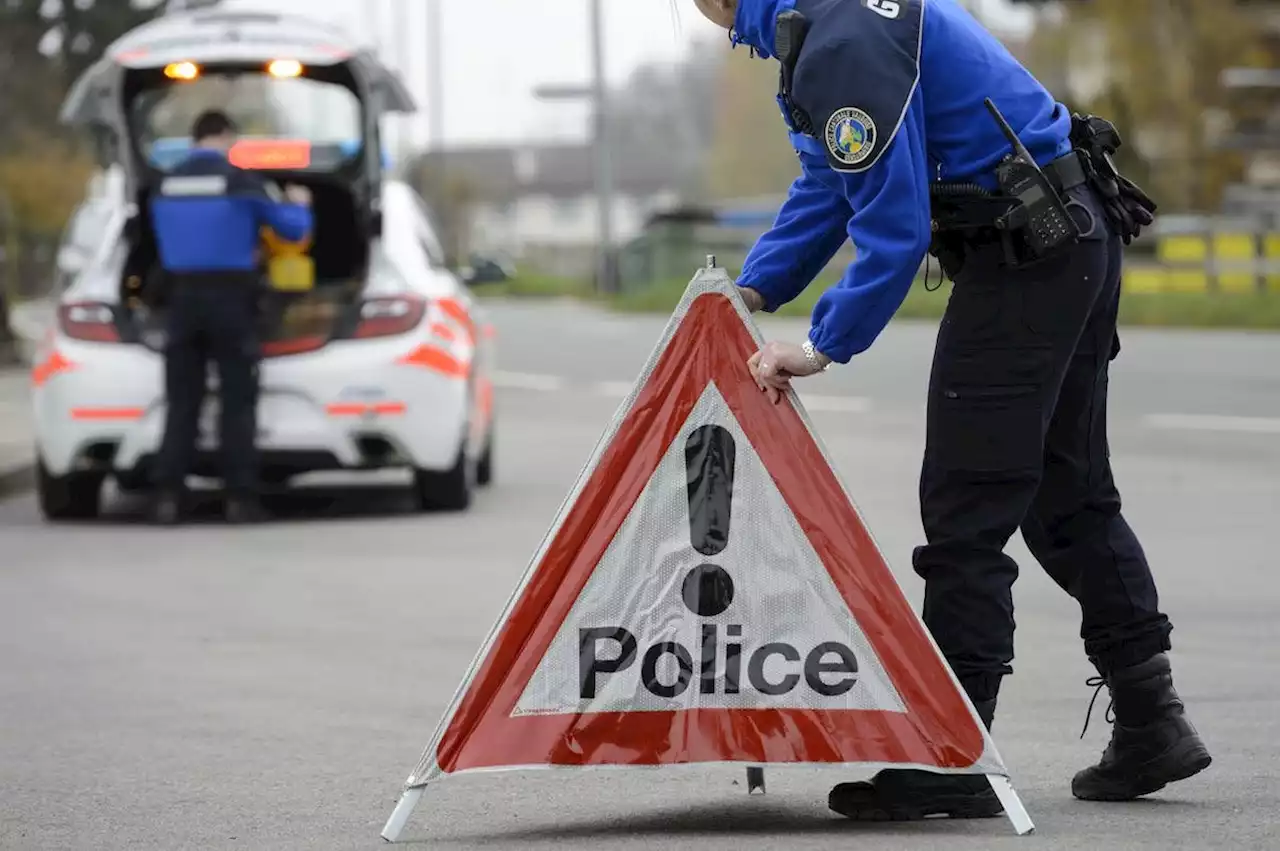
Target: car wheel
(276, 480)
(484, 467)
(132, 485)
(77, 496)
(450, 490)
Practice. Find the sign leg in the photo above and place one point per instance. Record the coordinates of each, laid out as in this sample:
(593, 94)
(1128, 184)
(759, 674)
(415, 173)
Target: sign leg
(400, 815)
(1012, 804)
(755, 778)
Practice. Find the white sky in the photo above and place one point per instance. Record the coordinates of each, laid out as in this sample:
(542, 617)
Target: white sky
(496, 51)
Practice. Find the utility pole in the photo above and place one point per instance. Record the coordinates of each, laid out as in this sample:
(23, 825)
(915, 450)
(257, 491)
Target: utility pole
(596, 95)
(374, 10)
(606, 268)
(403, 40)
(435, 75)
(1259, 194)
(435, 177)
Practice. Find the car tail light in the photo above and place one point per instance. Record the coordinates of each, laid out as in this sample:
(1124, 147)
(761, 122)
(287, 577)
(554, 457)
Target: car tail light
(88, 320)
(386, 317)
(293, 346)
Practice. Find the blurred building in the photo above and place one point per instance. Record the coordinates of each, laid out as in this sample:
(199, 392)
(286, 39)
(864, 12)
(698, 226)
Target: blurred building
(1235, 246)
(1252, 128)
(1255, 93)
(537, 203)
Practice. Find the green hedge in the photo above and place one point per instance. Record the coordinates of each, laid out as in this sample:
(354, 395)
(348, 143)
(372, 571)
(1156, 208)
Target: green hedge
(1194, 310)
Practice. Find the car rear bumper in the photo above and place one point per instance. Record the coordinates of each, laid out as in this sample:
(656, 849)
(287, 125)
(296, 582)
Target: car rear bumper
(353, 405)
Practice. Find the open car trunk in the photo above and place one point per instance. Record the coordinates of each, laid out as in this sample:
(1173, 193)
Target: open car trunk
(289, 323)
(300, 83)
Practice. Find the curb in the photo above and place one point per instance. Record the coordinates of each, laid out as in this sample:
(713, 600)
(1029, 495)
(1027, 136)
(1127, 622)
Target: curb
(17, 479)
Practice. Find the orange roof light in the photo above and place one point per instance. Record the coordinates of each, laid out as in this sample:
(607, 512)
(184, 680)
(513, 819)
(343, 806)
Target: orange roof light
(284, 68)
(271, 154)
(181, 71)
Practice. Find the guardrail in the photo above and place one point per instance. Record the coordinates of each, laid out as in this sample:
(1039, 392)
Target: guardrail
(1228, 261)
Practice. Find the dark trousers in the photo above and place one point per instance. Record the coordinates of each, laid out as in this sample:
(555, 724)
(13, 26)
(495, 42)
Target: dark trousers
(212, 319)
(1017, 437)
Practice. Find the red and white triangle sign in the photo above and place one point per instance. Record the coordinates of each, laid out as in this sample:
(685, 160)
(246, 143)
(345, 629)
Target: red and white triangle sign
(708, 594)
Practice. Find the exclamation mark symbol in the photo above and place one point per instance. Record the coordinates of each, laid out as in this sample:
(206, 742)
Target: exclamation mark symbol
(709, 455)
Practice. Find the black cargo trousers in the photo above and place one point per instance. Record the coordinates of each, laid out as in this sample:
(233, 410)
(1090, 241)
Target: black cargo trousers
(212, 317)
(1017, 437)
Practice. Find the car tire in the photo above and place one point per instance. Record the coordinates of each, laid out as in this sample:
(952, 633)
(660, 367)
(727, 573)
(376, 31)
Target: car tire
(76, 496)
(484, 467)
(450, 490)
(133, 483)
(275, 480)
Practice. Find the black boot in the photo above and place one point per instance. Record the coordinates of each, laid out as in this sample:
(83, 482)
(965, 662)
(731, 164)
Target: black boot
(908, 794)
(166, 510)
(1152, 742)
(243, 508)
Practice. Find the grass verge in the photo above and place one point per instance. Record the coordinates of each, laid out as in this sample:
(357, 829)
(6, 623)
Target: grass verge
(1260, 311)
(538, 286)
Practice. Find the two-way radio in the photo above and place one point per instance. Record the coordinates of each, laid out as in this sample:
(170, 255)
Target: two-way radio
(789, 34)
(1041, 211)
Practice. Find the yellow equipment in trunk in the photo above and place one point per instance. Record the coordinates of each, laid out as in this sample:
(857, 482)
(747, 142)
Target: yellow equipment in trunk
(289, 268)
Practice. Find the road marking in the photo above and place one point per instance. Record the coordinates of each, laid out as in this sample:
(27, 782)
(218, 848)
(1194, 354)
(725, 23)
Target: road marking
(614, 389)
(622, 389)
(836, 404)
(1206, 422)
(527, 381)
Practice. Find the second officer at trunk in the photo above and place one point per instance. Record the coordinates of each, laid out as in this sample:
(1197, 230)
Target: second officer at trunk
(208, 215)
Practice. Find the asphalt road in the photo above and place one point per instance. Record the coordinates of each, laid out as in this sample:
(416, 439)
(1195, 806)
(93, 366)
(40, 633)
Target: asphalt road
(269, 688)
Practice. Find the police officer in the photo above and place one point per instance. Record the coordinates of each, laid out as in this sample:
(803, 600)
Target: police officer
(207, 217)
(885, 103)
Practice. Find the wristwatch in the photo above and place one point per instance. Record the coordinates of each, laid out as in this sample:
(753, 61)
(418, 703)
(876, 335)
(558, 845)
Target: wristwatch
(811, 355)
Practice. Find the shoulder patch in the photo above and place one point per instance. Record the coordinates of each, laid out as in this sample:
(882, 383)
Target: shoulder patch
(850, 135)
(857, 75)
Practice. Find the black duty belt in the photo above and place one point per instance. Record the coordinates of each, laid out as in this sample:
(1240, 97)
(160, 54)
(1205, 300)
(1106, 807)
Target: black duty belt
(1066, 172)
(976, 215)
(971, 207)
(223, 278)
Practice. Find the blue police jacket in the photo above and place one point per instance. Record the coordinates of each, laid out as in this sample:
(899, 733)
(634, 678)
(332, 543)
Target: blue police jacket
(894, 92)
(207, 215)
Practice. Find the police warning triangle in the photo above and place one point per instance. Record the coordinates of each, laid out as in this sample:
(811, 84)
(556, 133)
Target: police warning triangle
(708, 594)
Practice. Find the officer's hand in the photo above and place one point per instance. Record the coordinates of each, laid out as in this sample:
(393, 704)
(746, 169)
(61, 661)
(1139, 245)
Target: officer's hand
(298, 194)
(755, 301)
(775, 365)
